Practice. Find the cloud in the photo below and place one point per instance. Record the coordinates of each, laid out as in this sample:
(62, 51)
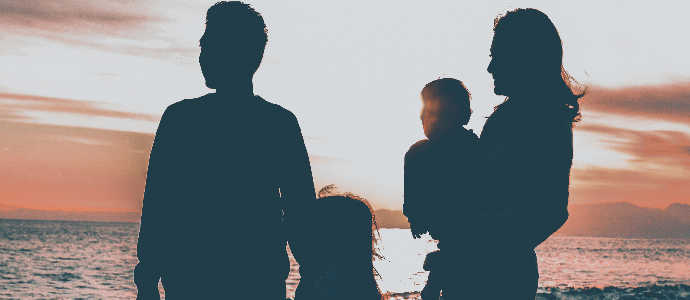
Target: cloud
(76, 17)
(668, 101)
(658, 173)
(670, 149)
(126, 27)
(13, 103)
(19, 108)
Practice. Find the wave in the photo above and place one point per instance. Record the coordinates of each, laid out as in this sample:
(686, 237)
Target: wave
(679, 291)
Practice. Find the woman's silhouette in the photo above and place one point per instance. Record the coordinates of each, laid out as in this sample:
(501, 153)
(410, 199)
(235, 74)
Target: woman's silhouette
(344, 234)
(527, 151)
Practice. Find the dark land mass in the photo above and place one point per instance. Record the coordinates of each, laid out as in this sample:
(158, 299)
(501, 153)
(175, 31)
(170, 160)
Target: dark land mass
(19, 213)
(622, 219)
(617, 219)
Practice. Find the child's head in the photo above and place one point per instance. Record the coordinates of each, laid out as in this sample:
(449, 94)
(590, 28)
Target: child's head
(345, 230)
(446, 107)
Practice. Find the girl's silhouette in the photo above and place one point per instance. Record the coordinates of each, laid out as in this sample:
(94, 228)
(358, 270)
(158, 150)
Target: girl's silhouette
(344, 233)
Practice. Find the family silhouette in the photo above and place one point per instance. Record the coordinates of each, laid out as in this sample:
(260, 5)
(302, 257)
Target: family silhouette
(229, 182)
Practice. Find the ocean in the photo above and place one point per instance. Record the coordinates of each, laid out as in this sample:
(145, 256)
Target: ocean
(92, 260)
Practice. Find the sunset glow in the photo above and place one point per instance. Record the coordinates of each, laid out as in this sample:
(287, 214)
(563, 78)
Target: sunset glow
(83, 87)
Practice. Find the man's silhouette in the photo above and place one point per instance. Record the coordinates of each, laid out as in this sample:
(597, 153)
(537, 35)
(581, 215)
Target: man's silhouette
(223, 169)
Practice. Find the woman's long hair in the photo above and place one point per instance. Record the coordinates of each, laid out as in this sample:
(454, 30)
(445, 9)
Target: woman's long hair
(535, 41)
(348, 236)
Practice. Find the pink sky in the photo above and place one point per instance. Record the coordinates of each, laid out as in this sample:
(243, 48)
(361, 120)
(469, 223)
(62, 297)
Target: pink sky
(83, 87)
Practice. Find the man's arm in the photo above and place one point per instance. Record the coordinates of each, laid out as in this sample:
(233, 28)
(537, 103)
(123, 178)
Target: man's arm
(297, 196)
(151, 233)
(296, 181)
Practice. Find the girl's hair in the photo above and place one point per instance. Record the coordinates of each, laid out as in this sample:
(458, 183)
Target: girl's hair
(539, 43)
(348, 236)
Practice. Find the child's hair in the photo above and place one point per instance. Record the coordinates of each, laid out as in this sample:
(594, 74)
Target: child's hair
(448, 90)
(347, 234)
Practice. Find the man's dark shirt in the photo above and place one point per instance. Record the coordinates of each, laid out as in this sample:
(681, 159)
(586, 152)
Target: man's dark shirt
(222, 171)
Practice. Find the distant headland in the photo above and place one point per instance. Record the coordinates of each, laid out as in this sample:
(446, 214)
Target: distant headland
(616, 219)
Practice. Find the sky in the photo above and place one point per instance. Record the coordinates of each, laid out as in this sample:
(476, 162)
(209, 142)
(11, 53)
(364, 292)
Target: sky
(83, 86)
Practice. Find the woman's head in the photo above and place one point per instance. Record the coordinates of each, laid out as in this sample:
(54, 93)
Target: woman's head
(527, 59)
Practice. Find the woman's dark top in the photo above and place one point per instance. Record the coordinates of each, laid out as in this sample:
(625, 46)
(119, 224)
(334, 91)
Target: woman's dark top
(527, 151)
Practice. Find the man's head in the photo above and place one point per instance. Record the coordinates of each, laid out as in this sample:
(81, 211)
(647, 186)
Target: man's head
(233, 44)
(446, 107)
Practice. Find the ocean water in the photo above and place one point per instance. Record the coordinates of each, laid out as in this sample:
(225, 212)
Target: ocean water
(91, 260)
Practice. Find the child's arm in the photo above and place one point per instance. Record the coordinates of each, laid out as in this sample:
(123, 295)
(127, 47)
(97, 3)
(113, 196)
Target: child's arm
(414, 189)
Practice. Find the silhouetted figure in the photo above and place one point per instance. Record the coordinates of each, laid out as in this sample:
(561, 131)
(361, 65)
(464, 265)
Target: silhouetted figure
(223, 169)
(527, 151)
(440, 170)
(344, 235)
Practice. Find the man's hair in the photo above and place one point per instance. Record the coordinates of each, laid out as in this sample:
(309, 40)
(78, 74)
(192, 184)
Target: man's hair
(235, 23)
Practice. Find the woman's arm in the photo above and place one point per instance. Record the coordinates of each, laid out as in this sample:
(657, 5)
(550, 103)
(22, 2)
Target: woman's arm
(533, 165)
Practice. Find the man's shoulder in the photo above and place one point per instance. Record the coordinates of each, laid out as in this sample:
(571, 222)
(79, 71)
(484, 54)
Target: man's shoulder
(274, 109)
(187, 104)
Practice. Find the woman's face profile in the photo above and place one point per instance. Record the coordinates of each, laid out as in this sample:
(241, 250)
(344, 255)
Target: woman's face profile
(515, 66)
(505, 67)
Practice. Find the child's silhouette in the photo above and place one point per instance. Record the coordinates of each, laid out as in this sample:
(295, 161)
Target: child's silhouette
(439, 170)
(344, 230)
(223, 170)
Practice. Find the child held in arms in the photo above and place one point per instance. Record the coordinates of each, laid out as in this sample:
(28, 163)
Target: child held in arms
(439, 170)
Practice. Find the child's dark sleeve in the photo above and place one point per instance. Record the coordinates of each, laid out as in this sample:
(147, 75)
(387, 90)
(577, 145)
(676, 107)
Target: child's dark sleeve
(414, 188)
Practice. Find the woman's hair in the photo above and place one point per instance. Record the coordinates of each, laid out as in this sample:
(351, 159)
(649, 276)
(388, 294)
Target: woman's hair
(536, 41)
(347, 233)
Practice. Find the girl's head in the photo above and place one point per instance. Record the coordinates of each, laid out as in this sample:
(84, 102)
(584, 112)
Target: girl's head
(345, 231)
(527, 59)
(446, 107)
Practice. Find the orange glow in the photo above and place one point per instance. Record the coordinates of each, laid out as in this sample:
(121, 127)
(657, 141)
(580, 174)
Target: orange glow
(72, 168)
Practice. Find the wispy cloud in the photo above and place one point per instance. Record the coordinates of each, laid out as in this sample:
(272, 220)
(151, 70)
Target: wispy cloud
(658, 171)
(669, 101)
(76, 17)
(12, 104)
(670, 149)
(126, 27)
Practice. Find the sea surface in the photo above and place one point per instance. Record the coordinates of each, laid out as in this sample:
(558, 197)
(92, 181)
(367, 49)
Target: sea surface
(91, 260)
